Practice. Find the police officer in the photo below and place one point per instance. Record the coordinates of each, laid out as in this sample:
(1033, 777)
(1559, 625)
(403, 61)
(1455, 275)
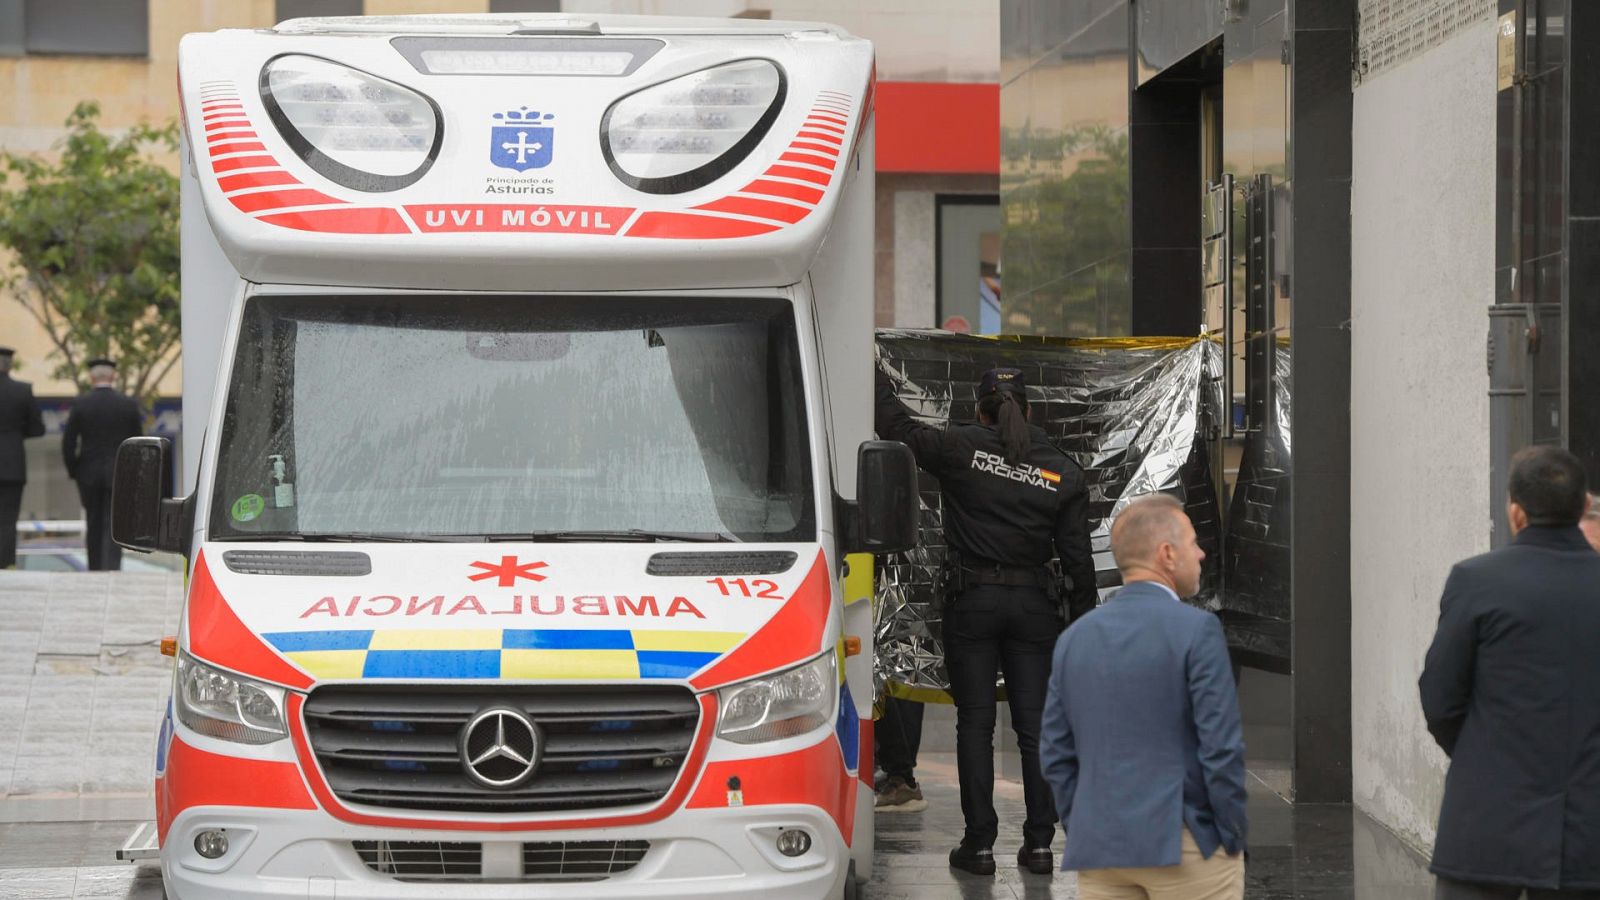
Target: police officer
(98, 424)
(1011, 501)
(19, 419)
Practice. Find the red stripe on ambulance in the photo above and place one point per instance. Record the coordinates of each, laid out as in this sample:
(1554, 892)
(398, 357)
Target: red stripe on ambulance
(754, 206)
(196, 777)
(796, 629)
(242, 162)
(271, 200)
(693, 226)
(255, 179)
(354, 220)
(783, 189)
(216, 635)
(814, 776)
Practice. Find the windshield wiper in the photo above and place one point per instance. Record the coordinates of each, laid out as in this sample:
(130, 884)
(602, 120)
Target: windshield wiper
(638, 535)
(354, 537)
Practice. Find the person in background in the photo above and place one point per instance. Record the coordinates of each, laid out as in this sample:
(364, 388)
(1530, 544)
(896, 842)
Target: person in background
(1011, 502)
(1142, 738)
(99, 422)
(1591, 522)
(1511, 692)
(19, 419)
(899, 735)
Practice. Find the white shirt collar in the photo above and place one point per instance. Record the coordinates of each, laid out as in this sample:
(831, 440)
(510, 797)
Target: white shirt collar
(1169, 591)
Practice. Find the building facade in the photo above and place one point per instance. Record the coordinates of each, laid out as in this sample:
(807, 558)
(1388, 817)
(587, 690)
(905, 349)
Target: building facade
(937, 101)
(1382, 209)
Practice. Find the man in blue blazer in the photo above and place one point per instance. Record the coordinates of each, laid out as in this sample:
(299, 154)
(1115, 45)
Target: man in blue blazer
(1141, 741)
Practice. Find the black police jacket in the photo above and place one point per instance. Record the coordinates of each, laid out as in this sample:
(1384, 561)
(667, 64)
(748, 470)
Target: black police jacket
(98, 424)
(1511, 691)
(1014, 515)
(19, 418)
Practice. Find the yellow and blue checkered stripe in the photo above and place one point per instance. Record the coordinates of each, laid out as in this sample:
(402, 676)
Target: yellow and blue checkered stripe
(571, 654)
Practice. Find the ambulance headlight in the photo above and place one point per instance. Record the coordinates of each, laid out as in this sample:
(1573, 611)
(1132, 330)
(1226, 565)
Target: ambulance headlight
(358, 130)
(228, 706)
(791, 702)
(685, 133)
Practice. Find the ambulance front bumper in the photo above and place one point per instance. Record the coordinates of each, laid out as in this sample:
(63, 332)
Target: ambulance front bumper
(693, 854)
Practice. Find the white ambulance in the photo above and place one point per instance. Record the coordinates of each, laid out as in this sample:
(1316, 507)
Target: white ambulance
(528, 490)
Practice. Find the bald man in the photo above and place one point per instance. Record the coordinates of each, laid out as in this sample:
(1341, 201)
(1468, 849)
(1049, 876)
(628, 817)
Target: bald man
(1141, 741)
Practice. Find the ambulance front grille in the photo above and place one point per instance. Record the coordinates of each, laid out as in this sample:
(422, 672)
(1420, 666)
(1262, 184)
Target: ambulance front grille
(463, 861)
(398, 746)
(423, 860)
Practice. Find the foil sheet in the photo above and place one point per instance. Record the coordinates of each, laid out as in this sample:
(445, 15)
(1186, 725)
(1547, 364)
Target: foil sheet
(1138, 415)
(1256, 613)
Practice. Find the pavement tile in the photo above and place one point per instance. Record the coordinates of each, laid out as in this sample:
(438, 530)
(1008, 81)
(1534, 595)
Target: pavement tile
(37, 883)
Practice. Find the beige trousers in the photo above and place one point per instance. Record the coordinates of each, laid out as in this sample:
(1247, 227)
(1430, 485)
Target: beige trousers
(1194, 878)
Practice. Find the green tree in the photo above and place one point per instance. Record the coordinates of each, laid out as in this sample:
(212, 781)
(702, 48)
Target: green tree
(94, 242)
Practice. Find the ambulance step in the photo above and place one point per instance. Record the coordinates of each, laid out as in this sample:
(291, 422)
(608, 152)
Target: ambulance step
(142, 843)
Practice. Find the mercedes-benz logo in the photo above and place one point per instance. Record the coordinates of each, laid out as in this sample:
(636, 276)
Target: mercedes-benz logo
(500, 748)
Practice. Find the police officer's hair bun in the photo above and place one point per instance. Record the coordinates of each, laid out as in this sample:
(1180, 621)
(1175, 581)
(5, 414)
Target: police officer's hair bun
(1009, 413)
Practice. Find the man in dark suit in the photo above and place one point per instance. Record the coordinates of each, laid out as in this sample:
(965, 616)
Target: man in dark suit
(1142, 743)
(19, 419)
(1511, 691)
(98, 424)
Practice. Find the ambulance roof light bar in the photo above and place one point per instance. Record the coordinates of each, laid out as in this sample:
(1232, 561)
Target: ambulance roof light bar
(525, 55)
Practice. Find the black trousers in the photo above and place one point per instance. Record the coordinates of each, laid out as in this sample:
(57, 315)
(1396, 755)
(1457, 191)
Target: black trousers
(10, 508)
(1450, 889)
(104, 554)
(899, 735)
(990, 629)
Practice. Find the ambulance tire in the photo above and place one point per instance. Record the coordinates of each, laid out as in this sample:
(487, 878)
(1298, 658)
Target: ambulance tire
(852, 887)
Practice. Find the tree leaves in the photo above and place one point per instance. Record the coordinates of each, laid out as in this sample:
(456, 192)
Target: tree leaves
(95, 241)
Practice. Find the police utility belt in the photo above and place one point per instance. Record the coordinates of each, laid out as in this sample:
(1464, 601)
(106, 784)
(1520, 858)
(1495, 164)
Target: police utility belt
(971, 572)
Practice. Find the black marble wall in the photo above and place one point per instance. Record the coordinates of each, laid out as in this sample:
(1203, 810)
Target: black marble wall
(1583, 236)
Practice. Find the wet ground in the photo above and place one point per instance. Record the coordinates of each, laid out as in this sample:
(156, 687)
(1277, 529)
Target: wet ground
(82, 684)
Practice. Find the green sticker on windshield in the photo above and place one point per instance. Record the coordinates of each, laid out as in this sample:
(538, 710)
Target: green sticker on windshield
(248, 508)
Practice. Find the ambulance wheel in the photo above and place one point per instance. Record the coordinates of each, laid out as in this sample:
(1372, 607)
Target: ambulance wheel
(852, 887)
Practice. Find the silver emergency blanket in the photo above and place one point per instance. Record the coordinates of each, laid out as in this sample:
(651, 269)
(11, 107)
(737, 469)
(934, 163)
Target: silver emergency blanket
(1137, 414)
(1255, 611)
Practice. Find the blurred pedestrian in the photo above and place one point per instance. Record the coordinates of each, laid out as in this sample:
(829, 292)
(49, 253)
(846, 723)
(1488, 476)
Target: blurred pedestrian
(99, 422)
(899, 735)
(1011, 502)
(1511, 691)
(1142, 742)
(1591, 522)
(19, 419)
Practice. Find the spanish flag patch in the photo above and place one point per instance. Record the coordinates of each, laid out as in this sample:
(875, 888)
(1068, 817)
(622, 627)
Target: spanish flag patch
(1050, 476)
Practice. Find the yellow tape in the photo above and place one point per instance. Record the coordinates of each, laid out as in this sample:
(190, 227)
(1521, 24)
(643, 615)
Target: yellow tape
(1114, 343)
(919, 694)
(436, 639)
(569, 664)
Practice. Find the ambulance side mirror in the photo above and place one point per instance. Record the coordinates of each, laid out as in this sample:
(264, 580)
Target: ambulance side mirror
(143, 514)
(886, 499)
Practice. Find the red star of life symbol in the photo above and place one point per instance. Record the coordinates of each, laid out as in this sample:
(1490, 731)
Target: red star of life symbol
(508, 571)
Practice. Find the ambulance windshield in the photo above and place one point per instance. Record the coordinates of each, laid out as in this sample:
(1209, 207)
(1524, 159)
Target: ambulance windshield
(472, 418)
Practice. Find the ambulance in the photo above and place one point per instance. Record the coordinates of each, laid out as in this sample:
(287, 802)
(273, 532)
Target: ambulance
(527, 486)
